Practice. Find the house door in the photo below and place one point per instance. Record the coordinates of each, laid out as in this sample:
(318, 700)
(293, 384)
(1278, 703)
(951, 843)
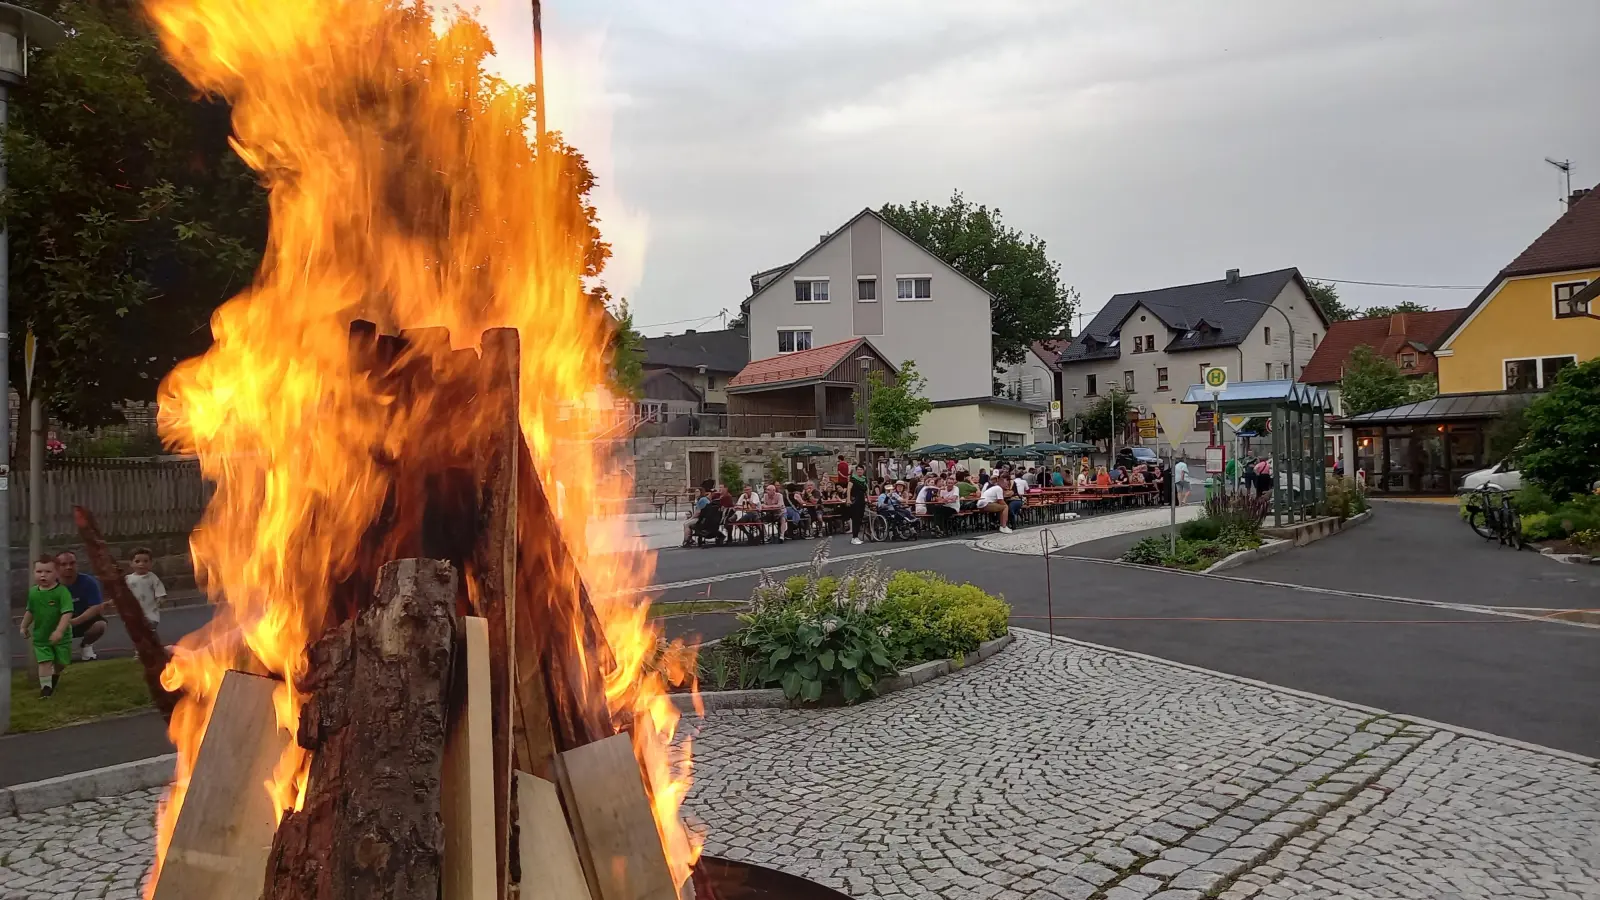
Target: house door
(702, 466)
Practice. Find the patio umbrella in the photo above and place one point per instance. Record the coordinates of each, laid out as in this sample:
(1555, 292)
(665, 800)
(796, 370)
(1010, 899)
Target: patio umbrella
(1046, 448)
(934, 450)
(1017, 453)
(1077, 447)
(804, 450)
(975, 450)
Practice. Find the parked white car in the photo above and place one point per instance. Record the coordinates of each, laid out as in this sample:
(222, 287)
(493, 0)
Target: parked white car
(1500, 476)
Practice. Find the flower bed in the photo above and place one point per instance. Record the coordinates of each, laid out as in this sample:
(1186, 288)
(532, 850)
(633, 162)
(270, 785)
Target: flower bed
(821, 637)
(1232, 523)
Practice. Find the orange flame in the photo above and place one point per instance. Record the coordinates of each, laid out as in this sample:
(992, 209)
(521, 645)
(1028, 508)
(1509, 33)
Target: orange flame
(405, 191)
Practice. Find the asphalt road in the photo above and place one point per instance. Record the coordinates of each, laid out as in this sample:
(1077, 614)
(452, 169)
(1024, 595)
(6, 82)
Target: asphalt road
(1523, 679)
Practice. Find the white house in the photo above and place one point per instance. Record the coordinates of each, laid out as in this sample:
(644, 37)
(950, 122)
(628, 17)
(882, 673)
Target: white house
(866, 279)
(1152, 345)
(1032, 381)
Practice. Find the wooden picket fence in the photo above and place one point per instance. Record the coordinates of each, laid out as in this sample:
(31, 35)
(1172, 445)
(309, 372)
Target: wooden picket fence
(129, 497)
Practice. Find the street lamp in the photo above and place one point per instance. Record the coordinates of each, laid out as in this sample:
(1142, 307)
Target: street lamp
(1294, 370)
(866, 407)
(20, 29)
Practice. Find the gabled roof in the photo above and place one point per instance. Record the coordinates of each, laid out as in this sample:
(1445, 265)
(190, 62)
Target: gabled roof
(793, 369)
(1198, 312)
(769, 277)
(1445, 407)
(1385, 335)
(1573, 242)
(1049, 351)
(719, 351)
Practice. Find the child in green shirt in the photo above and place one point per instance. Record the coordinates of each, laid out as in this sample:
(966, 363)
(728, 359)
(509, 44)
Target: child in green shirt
(46, 623)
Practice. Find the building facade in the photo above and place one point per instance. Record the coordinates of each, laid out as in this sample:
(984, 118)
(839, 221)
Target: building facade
(1152, 345)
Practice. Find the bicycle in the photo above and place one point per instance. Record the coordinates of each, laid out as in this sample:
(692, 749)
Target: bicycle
(1492, 514)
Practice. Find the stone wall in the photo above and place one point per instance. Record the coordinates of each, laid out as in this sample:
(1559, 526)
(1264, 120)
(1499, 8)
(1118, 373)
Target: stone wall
(661, 464)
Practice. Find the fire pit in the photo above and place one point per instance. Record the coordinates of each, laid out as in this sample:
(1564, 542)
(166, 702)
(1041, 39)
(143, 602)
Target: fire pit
(726, 879)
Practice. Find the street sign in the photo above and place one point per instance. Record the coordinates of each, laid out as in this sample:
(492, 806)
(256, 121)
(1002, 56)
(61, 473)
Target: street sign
(1174, 420)
(1055, 410)
(1215, 379)
(1147, 428)
(1236, 422)
(1244, 434)
(1213, 460)
(1039, 420)
(1203, 417)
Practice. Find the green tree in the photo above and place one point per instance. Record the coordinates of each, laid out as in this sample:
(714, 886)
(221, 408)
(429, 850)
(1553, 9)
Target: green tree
(1327, 296)
(1404, 306)
(1030, 302)
(627, 353)
(130, 216)
(1108, 413)
(1505, 435)
(729, 473)
(895, 410)
(1371, 382)
(1421, 387)
(1563, 446)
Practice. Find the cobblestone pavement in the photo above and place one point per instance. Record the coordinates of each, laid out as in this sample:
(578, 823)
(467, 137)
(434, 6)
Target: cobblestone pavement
(1062, 772)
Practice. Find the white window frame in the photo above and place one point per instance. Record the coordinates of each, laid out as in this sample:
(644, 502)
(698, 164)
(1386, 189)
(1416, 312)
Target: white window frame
(1163, 379)
(1138, 343)
(1556, 301)
(795, 329)
(913, 279)
(813, 290)
(1538, 368)
(870, 279)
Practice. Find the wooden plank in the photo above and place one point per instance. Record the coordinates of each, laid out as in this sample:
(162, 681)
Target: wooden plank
(549, 857)
(224, 831)
(375, 720)
(612, 823)
(467, 788)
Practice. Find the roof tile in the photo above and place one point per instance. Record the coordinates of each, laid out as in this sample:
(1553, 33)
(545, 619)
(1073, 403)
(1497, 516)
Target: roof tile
(795, 366)
(1573, 242)
(1425, 328)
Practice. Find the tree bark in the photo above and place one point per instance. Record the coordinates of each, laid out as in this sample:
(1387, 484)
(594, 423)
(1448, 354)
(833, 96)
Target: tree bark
(153, 656)
(375, 721)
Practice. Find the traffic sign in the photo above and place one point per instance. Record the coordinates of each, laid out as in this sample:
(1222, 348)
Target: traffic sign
(1215, 379)
(1055, 409)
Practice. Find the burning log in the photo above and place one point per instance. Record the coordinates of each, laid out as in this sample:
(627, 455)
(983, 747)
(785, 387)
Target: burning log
(375, 721)
(153, 655)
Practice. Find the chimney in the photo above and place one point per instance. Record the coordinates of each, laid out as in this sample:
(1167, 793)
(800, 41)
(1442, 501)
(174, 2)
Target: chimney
(1397, 324)
(1577, 195)
(1232, 276)
(688, 331)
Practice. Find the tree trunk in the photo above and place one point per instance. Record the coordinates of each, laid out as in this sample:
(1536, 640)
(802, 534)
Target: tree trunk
(375, 721)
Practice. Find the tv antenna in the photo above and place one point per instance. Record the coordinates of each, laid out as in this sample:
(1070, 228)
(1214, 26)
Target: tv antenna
(1565, 165)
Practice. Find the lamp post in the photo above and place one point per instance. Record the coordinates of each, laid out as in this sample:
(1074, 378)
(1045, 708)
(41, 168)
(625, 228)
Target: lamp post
(20, 30)
(866, 409)
(1294, 370)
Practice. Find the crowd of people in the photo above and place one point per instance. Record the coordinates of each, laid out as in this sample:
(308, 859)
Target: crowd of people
(939, 492)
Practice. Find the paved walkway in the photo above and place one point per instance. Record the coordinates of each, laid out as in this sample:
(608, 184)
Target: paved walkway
(1027, 541)
(1063, 772)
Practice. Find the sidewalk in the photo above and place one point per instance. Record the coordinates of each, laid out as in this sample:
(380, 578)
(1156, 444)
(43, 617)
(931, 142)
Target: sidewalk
(1031, 541)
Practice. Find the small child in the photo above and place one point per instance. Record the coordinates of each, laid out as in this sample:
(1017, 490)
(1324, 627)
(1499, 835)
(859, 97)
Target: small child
(46, 622)
(146, 586)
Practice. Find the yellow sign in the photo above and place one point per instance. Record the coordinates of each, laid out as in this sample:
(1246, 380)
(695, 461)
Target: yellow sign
(1174, 419)
(1147, 428)
(1055, 409)
(1236, 422)
(1215, 378)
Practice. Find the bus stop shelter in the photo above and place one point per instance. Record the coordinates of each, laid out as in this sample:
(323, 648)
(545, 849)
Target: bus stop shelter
(1298, 415)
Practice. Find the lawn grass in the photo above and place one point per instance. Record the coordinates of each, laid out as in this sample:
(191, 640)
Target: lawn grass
(86, 691)
(685, 607)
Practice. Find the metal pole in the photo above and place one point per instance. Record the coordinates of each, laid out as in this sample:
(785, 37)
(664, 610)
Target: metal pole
(5, 440)
(35, 475)
(538, 73)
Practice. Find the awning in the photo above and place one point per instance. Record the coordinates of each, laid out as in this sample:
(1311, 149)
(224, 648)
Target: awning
(1445, 407)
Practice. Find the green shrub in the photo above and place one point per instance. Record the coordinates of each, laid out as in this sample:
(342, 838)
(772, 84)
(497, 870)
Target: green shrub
(1540, 527)
(1240, 509)
(1202, 529)
(1588, 539)
(1554, 521)
(729, 474)
(1148, 551)
(924, 617)
(1533, 499)
(1345, 498)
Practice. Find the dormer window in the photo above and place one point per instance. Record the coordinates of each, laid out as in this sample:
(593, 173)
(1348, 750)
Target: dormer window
(1408, 361)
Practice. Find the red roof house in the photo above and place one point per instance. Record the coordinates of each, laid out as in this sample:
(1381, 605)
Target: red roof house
(1407, 339)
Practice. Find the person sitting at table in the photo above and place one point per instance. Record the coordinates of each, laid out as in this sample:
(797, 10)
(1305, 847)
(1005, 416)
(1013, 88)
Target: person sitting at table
(983, 478)
(1102, 478)
(891, 505)
(1083, 479)
(993, 500)
(1056, 478)
(701, 501)
(748, 505)
(927, 493)
(947, 506)
(1137, 475)
(1017, 496)
(810, 504)
(968, 490)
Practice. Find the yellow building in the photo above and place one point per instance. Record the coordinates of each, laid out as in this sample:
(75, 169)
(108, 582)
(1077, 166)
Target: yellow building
(1536, 316)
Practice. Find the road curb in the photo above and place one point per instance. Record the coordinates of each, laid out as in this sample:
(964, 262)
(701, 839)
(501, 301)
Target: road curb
(1272, 547)
(772, 698)
(20, 799)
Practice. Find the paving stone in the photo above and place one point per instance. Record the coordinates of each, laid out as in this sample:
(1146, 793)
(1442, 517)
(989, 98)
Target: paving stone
(1001, 781)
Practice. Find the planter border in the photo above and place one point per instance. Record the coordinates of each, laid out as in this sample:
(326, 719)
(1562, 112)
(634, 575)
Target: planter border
(90, 786)
(1274, 546)
(772, 698)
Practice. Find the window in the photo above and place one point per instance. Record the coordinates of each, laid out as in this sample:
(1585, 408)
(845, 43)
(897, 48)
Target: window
(1266, 333)
(914, 287)
(1161, 378)
(1536, 373)
(1268, 376)
(711, 382)
(1088, 385)
(1150, 343)
(1036, 390)
(1565, 307)
(811, 290)
(1314, 337)
(793, 340)
(1127, 381)
(1138, 344)
(1408, 361)
(867, 290)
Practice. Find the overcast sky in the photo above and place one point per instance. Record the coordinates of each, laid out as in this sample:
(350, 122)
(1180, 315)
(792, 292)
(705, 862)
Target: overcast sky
(1149, 143)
